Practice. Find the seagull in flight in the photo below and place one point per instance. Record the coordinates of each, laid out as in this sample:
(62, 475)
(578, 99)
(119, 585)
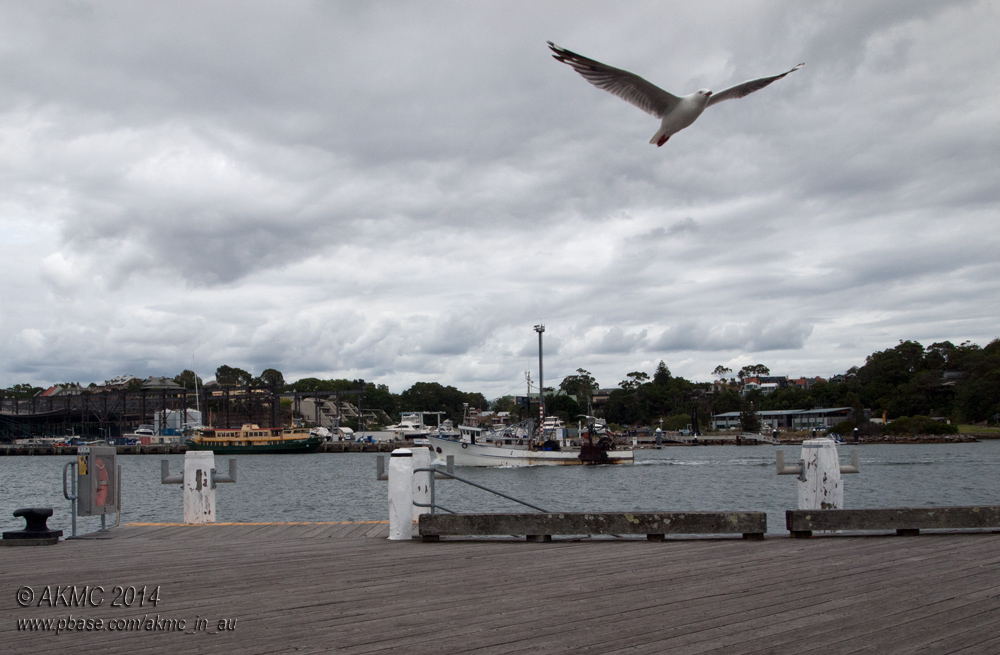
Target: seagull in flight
(676, 112)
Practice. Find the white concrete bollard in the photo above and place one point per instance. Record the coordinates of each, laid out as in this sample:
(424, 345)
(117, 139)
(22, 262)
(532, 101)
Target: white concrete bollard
(400, 494)
(820, 487)
(421, 481)
(199, 496)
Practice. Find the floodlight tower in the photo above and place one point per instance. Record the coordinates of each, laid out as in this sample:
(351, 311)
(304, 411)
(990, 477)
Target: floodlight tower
(541, 379)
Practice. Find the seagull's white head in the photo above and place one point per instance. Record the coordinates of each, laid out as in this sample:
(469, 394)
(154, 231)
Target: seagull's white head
(700, 99)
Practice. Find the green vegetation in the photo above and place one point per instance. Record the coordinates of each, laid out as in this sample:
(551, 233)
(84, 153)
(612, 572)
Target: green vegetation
(943, 381)
(433, 397)
(21, 391)
(961, 383)
(966, 428)
(189, 380)
(919, 425)
(844, 427)
(642, 402)
(918, 389)
(676, 422)
(749, 421)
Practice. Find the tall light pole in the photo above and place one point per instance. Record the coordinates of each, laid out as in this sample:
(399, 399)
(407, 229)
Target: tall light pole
(541, 379)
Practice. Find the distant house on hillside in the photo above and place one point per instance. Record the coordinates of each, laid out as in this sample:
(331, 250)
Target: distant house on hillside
(329, 412)
(479, 418)
(805, 383)
(950, 378)
(600, 398)
(765, 388)
(160, 383)
(61, 390)
(780, 381)
(118, 382)
(723, 385)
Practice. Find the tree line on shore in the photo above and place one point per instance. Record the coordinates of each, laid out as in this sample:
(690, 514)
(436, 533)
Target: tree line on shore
(909, 381)
(909, 385)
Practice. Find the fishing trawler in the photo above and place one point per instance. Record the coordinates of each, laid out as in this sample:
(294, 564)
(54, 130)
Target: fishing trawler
(519, 445)
(253, 439)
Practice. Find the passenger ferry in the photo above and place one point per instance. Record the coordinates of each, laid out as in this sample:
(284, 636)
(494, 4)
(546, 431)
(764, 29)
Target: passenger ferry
(252, 439)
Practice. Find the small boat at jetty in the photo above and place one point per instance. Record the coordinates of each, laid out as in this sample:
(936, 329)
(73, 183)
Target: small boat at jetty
(410, 426)
(519, 445)
(252, 439)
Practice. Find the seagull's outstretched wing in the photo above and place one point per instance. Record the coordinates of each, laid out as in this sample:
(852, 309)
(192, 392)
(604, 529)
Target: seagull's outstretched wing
(745, 89)
(627, 86)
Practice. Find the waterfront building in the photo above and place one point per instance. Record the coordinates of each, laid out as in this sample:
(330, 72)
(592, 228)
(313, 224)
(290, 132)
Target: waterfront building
(789, 419)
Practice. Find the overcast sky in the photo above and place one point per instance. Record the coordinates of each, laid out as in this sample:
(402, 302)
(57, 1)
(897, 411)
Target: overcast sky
(400, 191)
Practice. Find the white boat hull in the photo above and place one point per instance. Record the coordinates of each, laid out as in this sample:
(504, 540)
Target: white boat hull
(475, 454)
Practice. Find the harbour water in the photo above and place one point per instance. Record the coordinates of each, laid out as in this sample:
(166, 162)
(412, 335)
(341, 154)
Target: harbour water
(342, 487)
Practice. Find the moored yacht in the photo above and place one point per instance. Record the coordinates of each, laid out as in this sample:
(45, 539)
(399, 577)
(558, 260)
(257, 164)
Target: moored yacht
(410, 426)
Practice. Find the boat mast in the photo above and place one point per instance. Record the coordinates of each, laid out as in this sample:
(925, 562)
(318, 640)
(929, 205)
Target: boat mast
(541, 379)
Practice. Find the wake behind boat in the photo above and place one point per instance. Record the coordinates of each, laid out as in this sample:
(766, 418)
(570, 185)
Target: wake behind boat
(518, 445)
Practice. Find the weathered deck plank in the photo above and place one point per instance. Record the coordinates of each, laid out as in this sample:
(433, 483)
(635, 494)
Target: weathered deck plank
(770, 621)
(315, 587)
(688, 625)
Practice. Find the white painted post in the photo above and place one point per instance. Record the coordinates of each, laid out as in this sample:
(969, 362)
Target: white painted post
(820, 486)
(400, 494)
(199, 496)
(421, 481)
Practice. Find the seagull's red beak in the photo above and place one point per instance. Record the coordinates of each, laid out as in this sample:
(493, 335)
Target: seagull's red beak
(708, 94)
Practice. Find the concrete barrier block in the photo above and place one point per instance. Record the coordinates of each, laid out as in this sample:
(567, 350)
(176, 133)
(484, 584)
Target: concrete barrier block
(904, 520)
(652, 524)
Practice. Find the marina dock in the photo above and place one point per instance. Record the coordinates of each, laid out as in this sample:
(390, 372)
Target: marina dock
(343, 587)
(180, 449)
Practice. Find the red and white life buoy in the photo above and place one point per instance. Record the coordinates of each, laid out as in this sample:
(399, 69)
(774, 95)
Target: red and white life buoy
(101, 488)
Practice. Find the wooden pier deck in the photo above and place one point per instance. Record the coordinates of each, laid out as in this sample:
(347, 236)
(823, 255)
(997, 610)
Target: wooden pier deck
(342, 587)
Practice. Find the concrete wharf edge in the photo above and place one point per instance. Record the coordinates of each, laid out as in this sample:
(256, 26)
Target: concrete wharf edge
(343, 587)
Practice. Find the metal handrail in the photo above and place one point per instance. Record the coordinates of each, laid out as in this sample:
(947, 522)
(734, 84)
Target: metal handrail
(432, 505)
(71, 497)
(118, 498)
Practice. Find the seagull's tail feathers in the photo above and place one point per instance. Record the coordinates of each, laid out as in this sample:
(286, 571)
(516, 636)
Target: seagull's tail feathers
(659, 139)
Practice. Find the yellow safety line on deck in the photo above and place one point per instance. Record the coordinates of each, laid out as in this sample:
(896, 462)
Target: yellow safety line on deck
(173, 525)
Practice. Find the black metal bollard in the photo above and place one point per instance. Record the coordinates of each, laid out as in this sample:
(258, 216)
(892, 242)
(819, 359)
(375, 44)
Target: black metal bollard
(35, 532)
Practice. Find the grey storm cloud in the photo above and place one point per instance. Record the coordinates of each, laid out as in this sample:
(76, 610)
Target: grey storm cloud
(400, 191)
(761, 335)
